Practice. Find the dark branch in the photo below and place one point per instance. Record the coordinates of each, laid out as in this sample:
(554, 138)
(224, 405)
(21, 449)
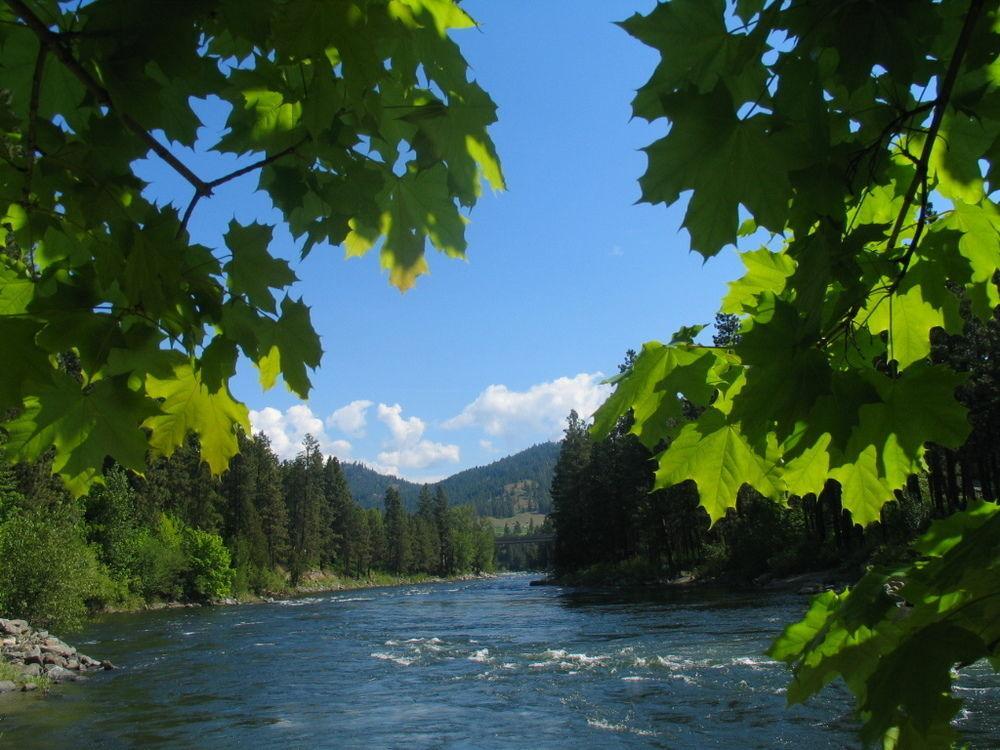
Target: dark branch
(232, 176)
(54, 43)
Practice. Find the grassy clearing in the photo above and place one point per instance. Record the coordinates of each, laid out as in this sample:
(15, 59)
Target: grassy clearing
(524, 518)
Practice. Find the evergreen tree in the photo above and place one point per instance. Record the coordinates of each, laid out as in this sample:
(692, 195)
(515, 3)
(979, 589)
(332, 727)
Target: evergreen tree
(397, 533)
(270, 498)
(337, 512)
(442, 521)
(568, 494)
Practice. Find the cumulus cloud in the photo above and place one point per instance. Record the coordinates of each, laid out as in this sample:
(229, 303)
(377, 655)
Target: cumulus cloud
(350, 419)
(538, 413)
(408, 430)
(406, 448)
(286, 430)
(420, 454)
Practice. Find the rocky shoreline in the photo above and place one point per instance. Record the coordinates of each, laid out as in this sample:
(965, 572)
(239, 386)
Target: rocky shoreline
(33, 659)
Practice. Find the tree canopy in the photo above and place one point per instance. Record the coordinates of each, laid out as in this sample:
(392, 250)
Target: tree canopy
(360, 122)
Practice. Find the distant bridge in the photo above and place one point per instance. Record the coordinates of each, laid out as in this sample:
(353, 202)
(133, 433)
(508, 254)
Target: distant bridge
(513, 541)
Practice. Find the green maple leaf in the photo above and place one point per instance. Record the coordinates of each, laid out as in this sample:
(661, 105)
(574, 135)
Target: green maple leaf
(457, 134)
(766, 272)
(289, 346)
(650, 389)
(26, 364)
(718, 458)
(921, 303)
(253, 271)
(979, 245)
(83, 425)
(961, 142)
(887, 445)
(445, 14)
(414, 206)
(16, 290)
(696, 50)
(726, 161)
(187, 405)
(807, 472)
(863, 488)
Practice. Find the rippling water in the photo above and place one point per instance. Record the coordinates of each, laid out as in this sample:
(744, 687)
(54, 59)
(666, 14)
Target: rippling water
(482, 664)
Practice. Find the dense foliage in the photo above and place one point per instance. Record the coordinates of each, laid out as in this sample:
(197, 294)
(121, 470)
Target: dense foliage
(357, 118)
(177, 533)
(503, 488)
(859, 140)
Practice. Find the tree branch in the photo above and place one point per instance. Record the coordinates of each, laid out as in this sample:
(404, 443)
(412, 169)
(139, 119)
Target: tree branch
(53, 42)
(232, 176)
(920, 175)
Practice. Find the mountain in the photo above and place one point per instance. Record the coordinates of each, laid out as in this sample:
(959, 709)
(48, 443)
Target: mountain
(514, 484)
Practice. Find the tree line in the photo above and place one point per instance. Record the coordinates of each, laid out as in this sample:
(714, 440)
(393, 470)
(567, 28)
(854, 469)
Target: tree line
(609, 520)
(178, 533)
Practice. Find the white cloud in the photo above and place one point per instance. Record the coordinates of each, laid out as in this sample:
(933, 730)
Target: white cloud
(487, 445)
(538, 413)
(286, 430)
(407, 449)
(419, 455)
(350, 419)
(404, 431)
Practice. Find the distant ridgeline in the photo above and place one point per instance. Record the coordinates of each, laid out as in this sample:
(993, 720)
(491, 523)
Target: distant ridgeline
(504, 488)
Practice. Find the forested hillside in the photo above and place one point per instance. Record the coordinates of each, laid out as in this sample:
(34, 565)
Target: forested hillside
(512, 485)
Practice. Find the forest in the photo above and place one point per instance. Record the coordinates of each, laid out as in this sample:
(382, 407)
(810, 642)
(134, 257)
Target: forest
(614, 526)
(176, 533)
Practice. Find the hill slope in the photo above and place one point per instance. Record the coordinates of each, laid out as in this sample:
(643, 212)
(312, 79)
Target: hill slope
(514, 484)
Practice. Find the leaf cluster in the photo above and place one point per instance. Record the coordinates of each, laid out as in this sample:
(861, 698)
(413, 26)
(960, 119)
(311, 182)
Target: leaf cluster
(897, 637)
(859, 140)
(359, 120)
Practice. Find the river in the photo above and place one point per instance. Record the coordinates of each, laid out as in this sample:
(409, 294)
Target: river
(480, 664)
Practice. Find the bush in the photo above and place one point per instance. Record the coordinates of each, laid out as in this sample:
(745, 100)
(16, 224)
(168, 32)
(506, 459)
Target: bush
(209, 574)
(49, 575)
(160, 560)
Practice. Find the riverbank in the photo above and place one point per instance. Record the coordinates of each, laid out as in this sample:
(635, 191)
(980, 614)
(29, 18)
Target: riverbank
(33, 659)
(629, 575)
(313, 582)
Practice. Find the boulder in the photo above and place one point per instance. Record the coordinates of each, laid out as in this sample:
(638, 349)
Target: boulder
(72, 664)
(13, 627)
(108, 665)
(29, 686)
(32, 670)
(6, 686)
(33, 655)
(60, 674)
(55, 646)
(48, 658)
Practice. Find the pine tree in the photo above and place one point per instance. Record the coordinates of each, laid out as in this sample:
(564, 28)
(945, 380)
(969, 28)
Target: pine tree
(568, 494)
(397, 536)
(442, 521)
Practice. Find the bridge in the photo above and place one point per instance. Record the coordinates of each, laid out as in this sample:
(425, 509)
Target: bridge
(513, 541)
(528, 552)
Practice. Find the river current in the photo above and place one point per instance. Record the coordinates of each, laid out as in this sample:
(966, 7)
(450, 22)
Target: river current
(480, 664)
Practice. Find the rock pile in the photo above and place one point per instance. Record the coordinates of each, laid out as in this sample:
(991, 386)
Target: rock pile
(35, 653)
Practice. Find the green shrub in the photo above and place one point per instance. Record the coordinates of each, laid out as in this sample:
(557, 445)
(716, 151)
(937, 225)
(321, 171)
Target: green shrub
(49, 574)
(209, 574)
(160, 560)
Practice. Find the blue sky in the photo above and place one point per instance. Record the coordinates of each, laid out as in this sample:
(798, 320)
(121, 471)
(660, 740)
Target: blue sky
(485, 357)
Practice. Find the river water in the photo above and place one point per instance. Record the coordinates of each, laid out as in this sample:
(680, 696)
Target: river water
(480, 664)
